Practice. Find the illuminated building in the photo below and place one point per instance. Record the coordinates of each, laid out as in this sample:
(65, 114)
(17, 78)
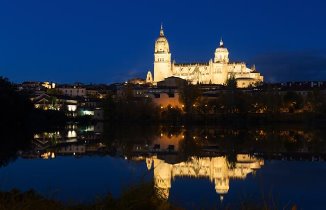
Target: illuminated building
(72, 91)
(216, 71)
(47, 102)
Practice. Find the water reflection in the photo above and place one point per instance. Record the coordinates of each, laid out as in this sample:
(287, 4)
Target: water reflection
(184, 142)
(217, 169)
(71, 140)
(217, 154)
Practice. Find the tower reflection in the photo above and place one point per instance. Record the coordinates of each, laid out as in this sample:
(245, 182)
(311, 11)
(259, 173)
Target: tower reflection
(217, 169)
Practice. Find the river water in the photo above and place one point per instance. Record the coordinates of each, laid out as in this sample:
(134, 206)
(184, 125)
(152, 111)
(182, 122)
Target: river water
(191, 167)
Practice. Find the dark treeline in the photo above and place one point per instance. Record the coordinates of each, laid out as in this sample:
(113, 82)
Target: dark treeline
(15, 107)
(130, 110)
(17, 110)
(232, 106)
(142, 196)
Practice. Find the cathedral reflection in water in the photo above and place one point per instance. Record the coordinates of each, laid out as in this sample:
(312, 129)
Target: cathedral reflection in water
(217, 169)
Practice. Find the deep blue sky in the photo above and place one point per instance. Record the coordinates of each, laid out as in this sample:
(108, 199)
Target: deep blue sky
(105, 41)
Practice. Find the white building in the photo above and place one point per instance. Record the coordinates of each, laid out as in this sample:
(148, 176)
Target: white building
(216, 71)
(73, 91)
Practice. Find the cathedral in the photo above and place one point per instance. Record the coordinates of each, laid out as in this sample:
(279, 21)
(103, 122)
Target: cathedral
(216, 71)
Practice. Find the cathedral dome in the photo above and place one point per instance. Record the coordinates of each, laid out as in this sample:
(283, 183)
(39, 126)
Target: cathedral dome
(162, 44)
(221, 54)
(221, 48)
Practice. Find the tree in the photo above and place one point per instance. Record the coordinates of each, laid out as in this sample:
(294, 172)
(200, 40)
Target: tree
(171, 114)
(109, 108)
(272, 99)
(231, 82)
(293, 101)
(15, 107)
(316, 101)
(54, 91)
(189, 96)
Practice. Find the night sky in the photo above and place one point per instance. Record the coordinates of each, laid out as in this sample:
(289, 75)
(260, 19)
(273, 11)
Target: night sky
(106, 41)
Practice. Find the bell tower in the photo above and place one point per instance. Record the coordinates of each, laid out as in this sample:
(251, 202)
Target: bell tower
(162, 58)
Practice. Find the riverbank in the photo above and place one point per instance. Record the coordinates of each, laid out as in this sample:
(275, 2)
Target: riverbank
(142, 196)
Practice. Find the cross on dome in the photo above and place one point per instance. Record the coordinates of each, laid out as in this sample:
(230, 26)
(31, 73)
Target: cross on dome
(161, 31)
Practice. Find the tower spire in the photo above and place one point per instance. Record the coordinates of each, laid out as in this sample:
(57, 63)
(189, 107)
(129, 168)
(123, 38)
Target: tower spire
(221, 43)
(161, 31)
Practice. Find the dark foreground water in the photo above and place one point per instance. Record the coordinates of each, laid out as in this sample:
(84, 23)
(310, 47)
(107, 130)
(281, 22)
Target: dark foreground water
(192, 168)
(84, 179)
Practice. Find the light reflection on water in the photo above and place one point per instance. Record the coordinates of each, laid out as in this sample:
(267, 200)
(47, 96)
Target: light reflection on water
(189, 167)
(83, 179)
(217, 169)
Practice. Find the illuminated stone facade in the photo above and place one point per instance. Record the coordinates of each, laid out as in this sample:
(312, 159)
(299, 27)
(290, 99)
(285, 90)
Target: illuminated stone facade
(217, 169)
(216, 71)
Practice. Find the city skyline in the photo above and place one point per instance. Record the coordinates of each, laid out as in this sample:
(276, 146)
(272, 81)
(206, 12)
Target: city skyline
(106, 42)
